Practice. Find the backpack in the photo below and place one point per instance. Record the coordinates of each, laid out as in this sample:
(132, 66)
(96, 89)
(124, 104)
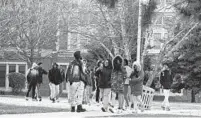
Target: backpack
(73, 72)
(32, 74)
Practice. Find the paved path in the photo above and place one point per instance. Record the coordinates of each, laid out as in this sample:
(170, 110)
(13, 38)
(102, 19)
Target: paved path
(184, 109)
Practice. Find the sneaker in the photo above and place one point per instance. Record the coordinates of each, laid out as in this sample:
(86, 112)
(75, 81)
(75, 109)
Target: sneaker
(135, 111)
(72, 109)
(103, 109)
(163, 107)
(111, 105)
(40, 99)
(26, 98)
(167, 109)
(33, 99)
(119, 111)
(80, 109)
(53, 101)
(132, 105)
(111, 110)
(141, 108)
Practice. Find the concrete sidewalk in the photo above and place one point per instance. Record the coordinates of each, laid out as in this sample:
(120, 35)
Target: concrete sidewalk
(184, 109)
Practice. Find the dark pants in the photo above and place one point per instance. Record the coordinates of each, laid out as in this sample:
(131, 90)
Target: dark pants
(97, 94)
(32, 85)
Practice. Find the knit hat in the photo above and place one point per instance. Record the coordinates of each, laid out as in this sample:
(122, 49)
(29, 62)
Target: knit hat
(77, 55)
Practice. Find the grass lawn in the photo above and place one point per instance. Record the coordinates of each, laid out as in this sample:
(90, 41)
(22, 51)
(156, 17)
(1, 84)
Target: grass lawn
(144, 115)
(12, 109)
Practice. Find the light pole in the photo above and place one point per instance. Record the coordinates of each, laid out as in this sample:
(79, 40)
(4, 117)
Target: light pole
(139, 31)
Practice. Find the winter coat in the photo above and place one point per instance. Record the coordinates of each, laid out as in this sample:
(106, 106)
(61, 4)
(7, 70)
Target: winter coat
(32, 74)
(104, 75)
(55, 75)
(118, 75)
(166, 79)
(75, 72)
(137, 79)
(41, 72)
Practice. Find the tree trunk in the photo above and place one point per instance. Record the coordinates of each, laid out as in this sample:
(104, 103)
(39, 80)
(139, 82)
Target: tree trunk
(125, 39)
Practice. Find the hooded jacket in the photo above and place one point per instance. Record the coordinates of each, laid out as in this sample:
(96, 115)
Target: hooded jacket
(137, 78)
(118, 75)
(55, 75)
(32, 74)
(138, 75)
(104, 75)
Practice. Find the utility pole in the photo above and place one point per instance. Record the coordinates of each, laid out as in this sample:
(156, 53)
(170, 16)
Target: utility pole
(139, 31)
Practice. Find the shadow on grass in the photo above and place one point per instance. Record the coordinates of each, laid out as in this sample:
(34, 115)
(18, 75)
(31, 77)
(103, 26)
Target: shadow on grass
(13, 109)
(144, 115)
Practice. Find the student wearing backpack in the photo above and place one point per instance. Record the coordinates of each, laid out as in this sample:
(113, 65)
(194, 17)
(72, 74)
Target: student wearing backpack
(32, 75)
(75, 76)
(55, 79)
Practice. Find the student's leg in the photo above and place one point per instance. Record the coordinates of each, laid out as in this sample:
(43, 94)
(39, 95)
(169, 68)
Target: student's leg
(33, 90)
(73, 95)
(101, 94)
(121, 100)
(139, 99)
(113, 98)
(51, 90)
(166, 99)
(97, 94)
(80, 97)
(29, 89)
(135, 101)
(38, 90)
(57, 91)
(126, 95)
(106, 96)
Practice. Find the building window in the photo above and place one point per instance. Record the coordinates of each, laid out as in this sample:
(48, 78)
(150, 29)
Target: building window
(165, 35)
(167, 20)
(12, 68)
(22, 69)
(156, 40)
(157, 36)
(74, 41)
(159, 21)
(169, 2)
(158, 2)
(9, 67)
(2, 75)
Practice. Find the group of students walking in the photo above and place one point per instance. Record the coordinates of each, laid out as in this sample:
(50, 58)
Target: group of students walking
(116, 78)
(34, 76)
(108, 81)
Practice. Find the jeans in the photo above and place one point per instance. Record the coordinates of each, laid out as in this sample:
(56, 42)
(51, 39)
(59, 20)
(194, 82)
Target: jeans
(54, 90)
(32, 85)
(76, 93)
(105, 94)
(88, 93)
(166, 99)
